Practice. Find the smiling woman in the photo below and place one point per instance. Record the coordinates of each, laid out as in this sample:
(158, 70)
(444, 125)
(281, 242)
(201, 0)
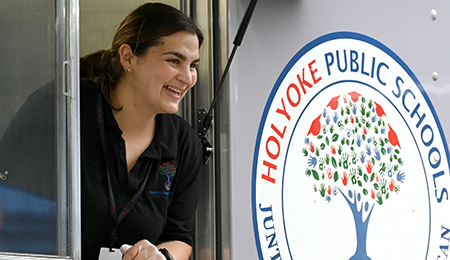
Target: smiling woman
(130, 138)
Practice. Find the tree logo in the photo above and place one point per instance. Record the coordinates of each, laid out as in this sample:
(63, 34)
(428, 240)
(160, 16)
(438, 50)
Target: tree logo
(354, 152)
(350, 160)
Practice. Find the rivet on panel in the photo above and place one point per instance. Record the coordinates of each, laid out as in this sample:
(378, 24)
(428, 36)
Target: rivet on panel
(433, 15)
(435, 76)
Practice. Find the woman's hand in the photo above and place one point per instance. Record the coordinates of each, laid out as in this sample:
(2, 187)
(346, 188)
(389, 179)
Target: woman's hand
(142, 250)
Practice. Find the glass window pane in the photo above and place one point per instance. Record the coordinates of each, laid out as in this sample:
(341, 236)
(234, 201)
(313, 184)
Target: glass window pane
(30, 208)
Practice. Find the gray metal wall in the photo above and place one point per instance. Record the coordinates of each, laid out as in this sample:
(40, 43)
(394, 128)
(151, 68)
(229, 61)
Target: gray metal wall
(279, 29)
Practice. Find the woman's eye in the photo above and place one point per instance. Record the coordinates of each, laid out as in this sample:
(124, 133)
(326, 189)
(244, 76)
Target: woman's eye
(176, 62)
(194, 65)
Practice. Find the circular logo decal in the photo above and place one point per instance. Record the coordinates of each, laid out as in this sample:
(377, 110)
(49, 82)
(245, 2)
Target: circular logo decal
(350, 160)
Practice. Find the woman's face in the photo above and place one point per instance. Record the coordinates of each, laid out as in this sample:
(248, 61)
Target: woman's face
(161, 77)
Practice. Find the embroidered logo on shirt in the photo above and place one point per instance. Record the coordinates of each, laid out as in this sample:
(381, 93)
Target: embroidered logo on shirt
(169, 171)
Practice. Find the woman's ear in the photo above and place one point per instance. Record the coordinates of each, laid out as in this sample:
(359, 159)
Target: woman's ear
(126, 54)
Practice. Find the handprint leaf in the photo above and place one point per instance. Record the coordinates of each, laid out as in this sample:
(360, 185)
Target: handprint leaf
(372, 177)
(315, 175)
(336, 176)
(333, 162)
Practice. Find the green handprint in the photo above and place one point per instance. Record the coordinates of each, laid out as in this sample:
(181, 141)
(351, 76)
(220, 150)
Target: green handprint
(345, 160)
(321, 162)
(322, 190)
(354, 155)
(360, 172)
(331, 128)
(308, 172)
(380, 198)
(305, 152)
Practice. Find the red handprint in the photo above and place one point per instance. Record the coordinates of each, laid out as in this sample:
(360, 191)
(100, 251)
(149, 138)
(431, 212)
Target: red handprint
(344, 97)
(329, 173)
(352, 120)
(377, 178)
(329, 189)
(345, 179)
(369, 166)
(333, 149)
(311, 147)
(372, 194)
(365, 130)
(392, 185)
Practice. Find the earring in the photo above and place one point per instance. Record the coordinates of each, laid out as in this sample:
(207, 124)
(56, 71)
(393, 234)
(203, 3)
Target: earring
(128, 70)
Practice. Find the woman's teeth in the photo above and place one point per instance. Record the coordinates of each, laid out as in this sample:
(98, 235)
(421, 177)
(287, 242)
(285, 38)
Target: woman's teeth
(177, 91)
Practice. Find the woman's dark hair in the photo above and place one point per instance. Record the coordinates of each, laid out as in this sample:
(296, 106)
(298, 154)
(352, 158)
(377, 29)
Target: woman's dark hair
(141, 29)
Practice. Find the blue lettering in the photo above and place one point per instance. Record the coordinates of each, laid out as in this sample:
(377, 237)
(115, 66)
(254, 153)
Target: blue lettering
(443, 191)
(432, 135)
(421, 118)
(435, 165)
(353, 61)
(382, 64)
(329, 62)
(362, 65)
(445, 233)
(398, 88)
(339, 64)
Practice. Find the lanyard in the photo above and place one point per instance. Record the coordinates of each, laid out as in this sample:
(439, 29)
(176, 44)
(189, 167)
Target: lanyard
(116, 220)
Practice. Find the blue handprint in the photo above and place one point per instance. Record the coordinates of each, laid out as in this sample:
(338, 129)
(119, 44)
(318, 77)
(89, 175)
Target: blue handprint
(369, 140)
(389, 149)
(312, 161)
(335, 190)
(306, 140)
(377, 155)
(328, 120)
(368, 150)
(354, 109)
(362, 157)
(400, 176)
(327, 198)
(390, 168)
(374, 118)
(349, 132)
(335, 117)
(358, 140)
(383, 130)
(324, 113)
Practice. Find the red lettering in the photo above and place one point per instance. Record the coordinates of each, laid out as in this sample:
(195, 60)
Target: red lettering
(283, 112)
(267, 177)
(278, 131)
(313, 72)
(271, 155)
(289, 96)
(303, 82)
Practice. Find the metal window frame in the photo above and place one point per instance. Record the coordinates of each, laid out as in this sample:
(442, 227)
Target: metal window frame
(67, 78)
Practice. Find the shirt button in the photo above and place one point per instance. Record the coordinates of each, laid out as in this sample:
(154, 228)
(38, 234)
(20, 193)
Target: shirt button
(121, 152)
(123, 171)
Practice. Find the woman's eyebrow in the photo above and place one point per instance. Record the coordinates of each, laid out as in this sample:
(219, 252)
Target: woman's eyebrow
(179, 55)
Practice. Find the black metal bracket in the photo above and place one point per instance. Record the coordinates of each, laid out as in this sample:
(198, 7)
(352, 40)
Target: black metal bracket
(204, 116)
(202, 131)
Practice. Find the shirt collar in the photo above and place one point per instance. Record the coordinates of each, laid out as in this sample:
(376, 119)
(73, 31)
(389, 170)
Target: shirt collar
(165, 141)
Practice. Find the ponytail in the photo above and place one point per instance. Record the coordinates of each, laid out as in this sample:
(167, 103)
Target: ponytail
(104, 68)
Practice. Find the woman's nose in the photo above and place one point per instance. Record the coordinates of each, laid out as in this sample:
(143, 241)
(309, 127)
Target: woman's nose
(187, 75)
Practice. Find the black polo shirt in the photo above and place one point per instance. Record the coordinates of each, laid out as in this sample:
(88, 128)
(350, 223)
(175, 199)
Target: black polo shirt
(166, 209)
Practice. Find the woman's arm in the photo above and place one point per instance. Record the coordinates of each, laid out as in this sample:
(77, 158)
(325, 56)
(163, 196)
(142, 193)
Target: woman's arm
(178, 249)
